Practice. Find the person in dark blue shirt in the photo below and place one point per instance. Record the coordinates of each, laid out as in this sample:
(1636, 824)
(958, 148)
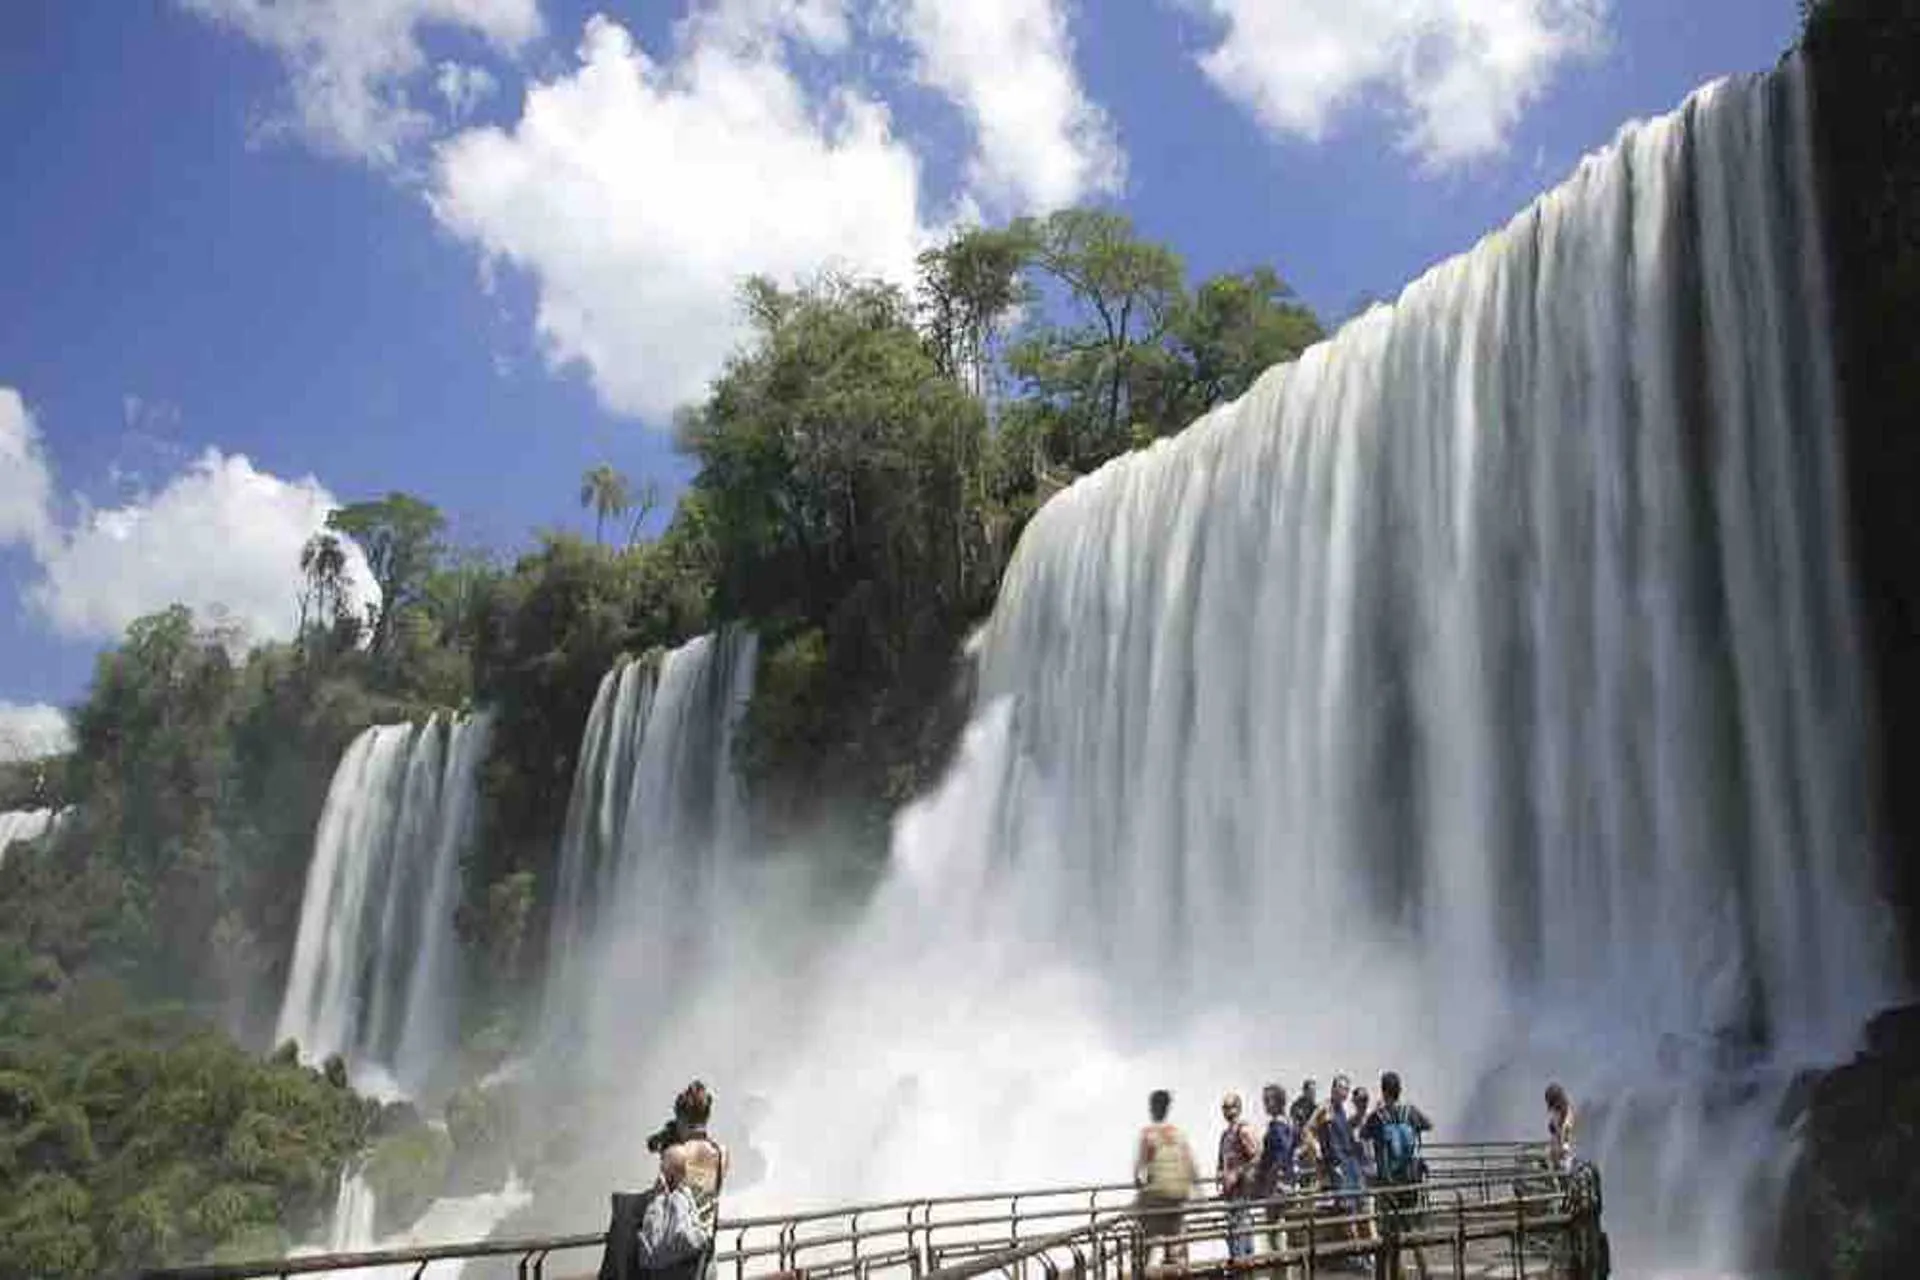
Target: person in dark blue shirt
(1277, 1151)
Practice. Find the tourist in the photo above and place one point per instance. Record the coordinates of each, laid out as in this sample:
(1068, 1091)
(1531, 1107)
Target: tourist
(1238, 1168)
(705, 1159)
(1276, 1174)
(1164, 1171)
(1559, 1130)
(1333, 1126)
(671, 1231)
(1305, 1105)
(1393, 1130)
(1362, 1107)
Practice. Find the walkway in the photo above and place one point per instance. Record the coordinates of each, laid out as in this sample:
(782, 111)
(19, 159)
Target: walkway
(1487, 1210)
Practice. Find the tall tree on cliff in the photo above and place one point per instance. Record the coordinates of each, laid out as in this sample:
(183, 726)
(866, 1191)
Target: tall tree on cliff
(400, 535)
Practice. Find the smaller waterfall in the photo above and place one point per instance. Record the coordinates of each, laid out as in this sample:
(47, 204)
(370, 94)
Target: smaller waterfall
(373, 974)
(21, 825)
(453, 1220)
(655, 816)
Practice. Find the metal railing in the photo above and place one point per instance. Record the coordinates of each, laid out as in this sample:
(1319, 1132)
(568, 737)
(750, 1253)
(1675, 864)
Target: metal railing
(1478, 1200)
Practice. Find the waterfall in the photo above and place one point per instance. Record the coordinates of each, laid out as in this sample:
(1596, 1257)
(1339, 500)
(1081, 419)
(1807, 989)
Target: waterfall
(450, 1220)
(655, 817)
(1478, 696)
(374, 963)
(25, 824)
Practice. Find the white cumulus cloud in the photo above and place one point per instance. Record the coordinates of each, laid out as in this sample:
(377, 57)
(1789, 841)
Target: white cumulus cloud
(349, 62)
(26, 481)
(1040, 142)
(1459, 72)
(638, 193)
(222, 538)
(31, 730)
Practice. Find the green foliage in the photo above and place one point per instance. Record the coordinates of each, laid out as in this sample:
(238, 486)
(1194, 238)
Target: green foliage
(400, 535)
(839, 494)
(134, 1137)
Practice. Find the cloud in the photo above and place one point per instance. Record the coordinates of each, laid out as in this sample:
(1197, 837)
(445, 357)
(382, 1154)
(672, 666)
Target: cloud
(26, 480)
(29, 731)
(638, 194)
(462, 87)
(1459, 72)
(348, 62)
(222, 538)
(1040, 142)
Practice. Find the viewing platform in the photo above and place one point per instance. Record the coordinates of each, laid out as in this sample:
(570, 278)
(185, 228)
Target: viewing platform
(1486, 1210)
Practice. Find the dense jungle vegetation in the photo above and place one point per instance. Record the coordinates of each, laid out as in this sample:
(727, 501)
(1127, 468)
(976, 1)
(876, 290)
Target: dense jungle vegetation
(865, 464)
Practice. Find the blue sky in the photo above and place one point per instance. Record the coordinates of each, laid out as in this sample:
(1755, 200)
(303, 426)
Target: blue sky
(265, 256)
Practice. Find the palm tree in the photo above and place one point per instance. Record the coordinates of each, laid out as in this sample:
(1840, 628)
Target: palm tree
(607, 492)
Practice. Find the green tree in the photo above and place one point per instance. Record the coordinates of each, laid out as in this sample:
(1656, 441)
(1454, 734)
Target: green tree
(1218, 340)
(838, 464)
(1122, 293)
(400, 536)
(607, 493)
(967, 288)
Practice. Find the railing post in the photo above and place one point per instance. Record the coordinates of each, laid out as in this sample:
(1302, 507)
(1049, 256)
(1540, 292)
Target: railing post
(1459, 1233)
(1520, 1254)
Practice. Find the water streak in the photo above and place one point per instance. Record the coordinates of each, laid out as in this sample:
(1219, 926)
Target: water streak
(655, 818)
(374, 967)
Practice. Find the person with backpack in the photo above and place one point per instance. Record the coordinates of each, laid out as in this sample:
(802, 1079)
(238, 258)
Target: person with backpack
(1394, 1131)
(1277, 1152)
(1164, 1171)
(1238, 1169)
(672, 1235)
(705, 1161)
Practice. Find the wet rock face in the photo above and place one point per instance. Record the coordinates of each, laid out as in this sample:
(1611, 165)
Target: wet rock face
(1853, 1204)
(1865, 60)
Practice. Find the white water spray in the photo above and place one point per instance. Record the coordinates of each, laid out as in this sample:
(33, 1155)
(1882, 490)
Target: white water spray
(374, 963)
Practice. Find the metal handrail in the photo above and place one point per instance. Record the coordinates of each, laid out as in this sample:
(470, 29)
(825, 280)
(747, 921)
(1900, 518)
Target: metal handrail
(912, 1238)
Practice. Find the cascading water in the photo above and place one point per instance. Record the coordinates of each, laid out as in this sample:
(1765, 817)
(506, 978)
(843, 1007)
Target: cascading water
(22, 825)
(451, 1219)
(1477, 696)
(374, 963)
(655, 818)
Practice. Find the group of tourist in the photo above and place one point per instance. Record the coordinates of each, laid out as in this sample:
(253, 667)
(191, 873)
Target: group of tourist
(1345, 1148)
